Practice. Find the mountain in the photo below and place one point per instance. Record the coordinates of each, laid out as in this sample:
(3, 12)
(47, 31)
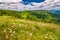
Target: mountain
(55, 11)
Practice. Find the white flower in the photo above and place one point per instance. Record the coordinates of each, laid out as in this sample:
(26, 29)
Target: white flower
(46, 37)
(14, 23)
(30, 34)
(13, 31)
(4, 30)
(21, 25)
(46, 34)
(21, 31)
(10, 31)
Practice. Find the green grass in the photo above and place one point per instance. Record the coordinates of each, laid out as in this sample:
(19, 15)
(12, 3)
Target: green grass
(29, 25)
(17, 29)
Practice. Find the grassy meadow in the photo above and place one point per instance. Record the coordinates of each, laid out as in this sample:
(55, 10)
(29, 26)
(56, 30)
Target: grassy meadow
(29, 25)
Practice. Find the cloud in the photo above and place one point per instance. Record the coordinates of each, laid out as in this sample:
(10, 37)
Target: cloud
(46, 5)
(10, 0)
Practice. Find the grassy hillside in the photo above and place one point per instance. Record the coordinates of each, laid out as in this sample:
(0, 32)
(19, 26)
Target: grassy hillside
(42, 15)
(29, 25)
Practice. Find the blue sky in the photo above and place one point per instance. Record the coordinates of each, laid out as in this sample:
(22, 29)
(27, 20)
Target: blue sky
(29, 1)
(30, 4)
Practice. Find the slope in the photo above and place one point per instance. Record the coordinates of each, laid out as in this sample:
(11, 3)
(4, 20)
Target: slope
(12, 28)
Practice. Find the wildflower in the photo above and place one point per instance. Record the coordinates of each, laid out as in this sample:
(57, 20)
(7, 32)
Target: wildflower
(10, 31)
(13, 31)
(26, 31)
(46, 37)
(21, 25)
(14, 23)
(21, 31)
(30, 34)
(4, 30)
(47, 34)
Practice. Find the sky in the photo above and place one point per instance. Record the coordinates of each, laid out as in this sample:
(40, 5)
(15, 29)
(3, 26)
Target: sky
(21, 5)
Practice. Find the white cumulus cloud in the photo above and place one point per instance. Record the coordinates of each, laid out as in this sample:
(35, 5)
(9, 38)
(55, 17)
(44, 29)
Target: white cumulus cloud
(46, 5)
(10, 0)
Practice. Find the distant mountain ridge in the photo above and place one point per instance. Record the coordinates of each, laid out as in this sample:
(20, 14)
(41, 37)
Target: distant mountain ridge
(55, 11)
